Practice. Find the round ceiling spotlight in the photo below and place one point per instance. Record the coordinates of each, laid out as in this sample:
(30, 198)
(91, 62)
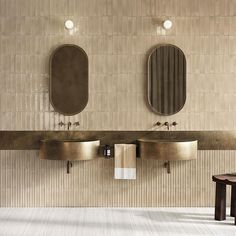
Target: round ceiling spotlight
(167, 24)
(69, 24)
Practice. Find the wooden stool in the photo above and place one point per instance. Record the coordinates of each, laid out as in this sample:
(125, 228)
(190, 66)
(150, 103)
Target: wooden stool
(220, 199)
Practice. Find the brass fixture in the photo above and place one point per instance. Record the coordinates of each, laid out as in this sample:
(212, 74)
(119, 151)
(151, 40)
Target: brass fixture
(64, 124)
(167, 166)
(77, 123)
(69, 124)
(69, 150)
(68, 166)
(168, 150)
(158, 123)
(167, 124)
(61, 123)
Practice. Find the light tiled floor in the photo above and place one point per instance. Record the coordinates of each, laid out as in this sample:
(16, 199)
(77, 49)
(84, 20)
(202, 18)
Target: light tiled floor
(112, 221)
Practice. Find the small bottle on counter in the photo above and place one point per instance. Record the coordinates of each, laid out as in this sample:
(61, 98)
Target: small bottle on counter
(107, 151)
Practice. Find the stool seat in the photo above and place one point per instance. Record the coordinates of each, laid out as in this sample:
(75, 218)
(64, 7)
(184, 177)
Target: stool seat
(220, 197)
(229, 179)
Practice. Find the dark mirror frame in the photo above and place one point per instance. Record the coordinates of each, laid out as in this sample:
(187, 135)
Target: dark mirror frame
(177, 90)
(76, 97)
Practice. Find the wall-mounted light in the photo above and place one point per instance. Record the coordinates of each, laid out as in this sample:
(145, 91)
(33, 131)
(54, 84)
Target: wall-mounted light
(69, 24)
(167, 24)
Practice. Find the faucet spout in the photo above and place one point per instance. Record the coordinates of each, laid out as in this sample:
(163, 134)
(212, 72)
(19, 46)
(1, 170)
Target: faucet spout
(69, 125)
(167, 124)
(68, 166)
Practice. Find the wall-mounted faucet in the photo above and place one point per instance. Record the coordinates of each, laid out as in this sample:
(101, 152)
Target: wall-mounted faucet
(68, 166)
(167, 166)
(69, 124)
(167, 124)
(77, 123)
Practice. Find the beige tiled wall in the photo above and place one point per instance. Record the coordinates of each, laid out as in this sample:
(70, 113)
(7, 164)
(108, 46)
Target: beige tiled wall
(117, 35)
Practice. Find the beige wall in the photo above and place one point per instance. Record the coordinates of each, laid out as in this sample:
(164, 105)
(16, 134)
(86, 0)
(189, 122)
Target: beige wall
(116, 34)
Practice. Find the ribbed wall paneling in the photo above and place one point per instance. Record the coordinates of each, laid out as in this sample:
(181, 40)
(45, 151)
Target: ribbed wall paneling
(27, 181)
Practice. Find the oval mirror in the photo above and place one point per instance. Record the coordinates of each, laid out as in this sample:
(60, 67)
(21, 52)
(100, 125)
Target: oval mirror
(69, 79)
(166, 79)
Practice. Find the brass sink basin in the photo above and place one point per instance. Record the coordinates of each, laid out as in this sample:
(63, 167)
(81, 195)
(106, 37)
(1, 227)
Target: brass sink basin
(70, 150)
(168, 150)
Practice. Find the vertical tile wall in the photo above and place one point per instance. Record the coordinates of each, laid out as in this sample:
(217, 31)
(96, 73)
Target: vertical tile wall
(117, 35)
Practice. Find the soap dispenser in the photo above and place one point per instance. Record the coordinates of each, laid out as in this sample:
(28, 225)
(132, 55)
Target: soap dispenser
(107, 151)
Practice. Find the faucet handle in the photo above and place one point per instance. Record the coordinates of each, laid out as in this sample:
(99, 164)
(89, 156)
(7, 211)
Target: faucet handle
(174, 123)
(61, 123)
(158, 123)
(77, 123)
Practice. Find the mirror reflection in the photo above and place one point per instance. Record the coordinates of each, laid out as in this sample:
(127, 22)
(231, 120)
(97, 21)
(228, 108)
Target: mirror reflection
(166, 79)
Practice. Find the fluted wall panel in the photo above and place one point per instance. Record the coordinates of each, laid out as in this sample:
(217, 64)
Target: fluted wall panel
(116, 35)
(27, 181)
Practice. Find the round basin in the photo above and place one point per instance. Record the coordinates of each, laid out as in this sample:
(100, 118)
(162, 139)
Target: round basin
(170, 150)
(70, 150)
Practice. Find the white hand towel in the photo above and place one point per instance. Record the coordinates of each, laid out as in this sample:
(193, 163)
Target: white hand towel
(125, 161)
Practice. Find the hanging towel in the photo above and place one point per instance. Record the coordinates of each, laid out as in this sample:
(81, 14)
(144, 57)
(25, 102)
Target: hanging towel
(125, 161)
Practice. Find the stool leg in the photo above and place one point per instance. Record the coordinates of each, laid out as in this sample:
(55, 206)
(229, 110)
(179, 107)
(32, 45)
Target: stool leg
(235, 215)
(233, 200)
(220, 202)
